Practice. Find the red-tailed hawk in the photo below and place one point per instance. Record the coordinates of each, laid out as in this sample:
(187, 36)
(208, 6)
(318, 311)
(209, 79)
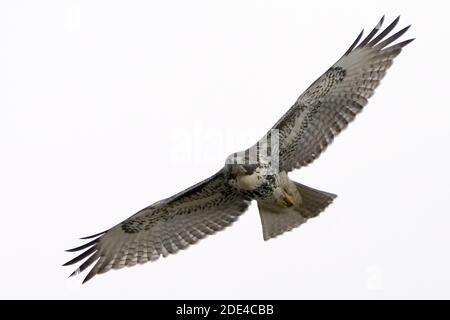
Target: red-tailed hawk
(258, 173)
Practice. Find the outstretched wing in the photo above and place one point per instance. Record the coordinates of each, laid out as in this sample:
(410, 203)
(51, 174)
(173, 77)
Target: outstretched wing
(164, 227)
(334, 99)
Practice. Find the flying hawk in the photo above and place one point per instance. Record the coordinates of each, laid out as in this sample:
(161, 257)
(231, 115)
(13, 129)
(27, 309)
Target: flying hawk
(258, 173)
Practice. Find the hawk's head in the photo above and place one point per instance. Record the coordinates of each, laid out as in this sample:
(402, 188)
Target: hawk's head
(241, 173)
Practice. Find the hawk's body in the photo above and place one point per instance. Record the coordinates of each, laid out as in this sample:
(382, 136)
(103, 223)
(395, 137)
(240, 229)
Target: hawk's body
(311, 124)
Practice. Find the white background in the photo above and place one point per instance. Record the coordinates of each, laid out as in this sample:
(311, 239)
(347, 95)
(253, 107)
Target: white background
(109, 106)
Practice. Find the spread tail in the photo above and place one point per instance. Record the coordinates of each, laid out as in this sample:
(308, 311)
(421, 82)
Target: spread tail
(276, 219)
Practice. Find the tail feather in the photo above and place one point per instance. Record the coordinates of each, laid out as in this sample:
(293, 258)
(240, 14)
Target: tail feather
(277, 220)
(313, 201)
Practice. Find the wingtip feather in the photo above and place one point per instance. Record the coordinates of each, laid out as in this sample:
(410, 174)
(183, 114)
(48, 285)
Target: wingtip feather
(77, 271)
(372, 33)
(354, 43)
(94, 235)
(384, 32)
(392, 38)
(87, 279)
(80, 256)
(90, 275)
(84, 246)
(380, 23)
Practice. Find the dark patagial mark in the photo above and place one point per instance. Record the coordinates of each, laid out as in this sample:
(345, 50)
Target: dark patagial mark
(337, 73)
